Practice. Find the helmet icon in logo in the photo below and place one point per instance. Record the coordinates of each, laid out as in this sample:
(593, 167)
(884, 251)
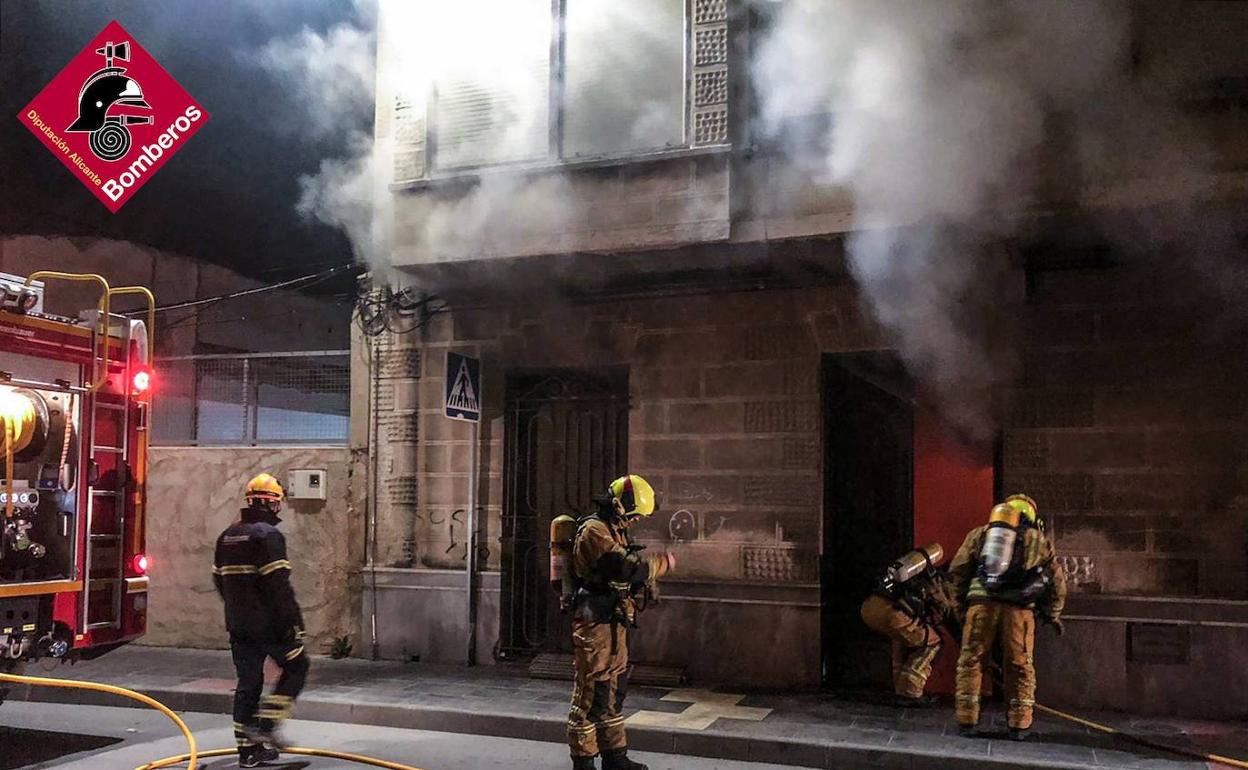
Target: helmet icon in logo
(105, 89)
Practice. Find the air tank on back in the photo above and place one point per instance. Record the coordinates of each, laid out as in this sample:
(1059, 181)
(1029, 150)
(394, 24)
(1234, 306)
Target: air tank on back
(998, 550)
(913, 564)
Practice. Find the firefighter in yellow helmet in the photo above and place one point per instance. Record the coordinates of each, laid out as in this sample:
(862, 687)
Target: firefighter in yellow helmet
(608, 570)
(1007, 574)
(913, 601)
(252, 573)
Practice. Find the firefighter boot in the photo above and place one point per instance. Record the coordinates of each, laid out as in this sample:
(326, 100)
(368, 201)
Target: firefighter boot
(272, 736)
(256, 756)
(617, 759)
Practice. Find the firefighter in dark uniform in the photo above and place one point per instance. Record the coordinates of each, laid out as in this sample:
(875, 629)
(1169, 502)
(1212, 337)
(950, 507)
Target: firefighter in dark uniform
(252, 573)
(608, 571)
(914, 600)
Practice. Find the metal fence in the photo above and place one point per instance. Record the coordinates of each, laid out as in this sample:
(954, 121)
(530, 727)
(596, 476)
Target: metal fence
(252, 400)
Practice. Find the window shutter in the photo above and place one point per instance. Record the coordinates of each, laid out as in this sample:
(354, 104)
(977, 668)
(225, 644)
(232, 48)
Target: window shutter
(492, 104)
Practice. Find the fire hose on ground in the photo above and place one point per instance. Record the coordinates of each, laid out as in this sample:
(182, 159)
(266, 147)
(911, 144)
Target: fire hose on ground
(1157, 745)
(998, 681)
(194, 755)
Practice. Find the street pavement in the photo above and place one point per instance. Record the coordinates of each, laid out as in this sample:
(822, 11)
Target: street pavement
(816, 729)
(147, 735)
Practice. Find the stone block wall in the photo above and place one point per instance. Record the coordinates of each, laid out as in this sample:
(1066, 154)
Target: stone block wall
(724, 420)
(1130, 430)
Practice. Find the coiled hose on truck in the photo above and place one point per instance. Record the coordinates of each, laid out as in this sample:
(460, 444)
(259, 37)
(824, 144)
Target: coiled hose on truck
(194, 755)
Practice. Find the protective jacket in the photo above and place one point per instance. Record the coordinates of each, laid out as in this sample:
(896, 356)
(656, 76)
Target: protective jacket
(608, 569)
(252, 574)
(1033, 554)
(929, 598)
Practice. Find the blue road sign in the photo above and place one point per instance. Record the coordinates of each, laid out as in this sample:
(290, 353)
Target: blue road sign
(463, 387)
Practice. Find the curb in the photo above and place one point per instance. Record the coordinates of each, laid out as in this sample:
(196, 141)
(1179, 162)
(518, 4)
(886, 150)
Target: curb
(713, 744)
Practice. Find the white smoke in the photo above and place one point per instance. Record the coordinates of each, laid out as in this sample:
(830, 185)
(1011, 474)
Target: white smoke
(333, 76)
(339, 62)
(951, 122)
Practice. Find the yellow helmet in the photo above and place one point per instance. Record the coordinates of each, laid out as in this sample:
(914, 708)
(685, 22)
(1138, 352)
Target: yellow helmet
(264, 487)
(633, 495)
(1025, 506)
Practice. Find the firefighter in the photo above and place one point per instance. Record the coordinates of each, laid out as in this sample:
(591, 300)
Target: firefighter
(608, 570)
(252, 573)
(1006, 575)
(913, 601)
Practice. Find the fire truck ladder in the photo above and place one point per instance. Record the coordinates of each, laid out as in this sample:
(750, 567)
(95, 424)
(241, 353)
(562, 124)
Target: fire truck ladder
(109, 415)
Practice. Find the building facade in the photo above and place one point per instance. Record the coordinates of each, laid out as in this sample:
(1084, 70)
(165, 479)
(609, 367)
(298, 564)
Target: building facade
(651, 287)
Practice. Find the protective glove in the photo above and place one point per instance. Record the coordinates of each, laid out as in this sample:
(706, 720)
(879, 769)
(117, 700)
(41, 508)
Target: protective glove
(1058, 626)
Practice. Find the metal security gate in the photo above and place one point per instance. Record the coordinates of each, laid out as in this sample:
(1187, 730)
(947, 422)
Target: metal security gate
(566, 437)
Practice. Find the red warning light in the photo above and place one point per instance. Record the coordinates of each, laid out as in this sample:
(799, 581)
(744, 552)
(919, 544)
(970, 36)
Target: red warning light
(142, 381)
(140, 564)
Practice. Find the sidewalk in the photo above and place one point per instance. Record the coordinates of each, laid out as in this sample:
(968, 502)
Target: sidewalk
(807, 730)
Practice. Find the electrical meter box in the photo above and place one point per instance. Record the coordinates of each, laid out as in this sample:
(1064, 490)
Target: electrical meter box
(307, 484)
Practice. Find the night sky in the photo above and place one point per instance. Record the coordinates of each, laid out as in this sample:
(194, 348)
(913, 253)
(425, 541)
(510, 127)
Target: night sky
(228, 196)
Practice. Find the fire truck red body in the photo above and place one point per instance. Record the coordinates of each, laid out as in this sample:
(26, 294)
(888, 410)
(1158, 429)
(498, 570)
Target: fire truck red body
(74, 411)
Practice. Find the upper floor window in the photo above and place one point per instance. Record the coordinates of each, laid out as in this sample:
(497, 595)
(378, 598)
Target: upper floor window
(534, 80)
(624, 76)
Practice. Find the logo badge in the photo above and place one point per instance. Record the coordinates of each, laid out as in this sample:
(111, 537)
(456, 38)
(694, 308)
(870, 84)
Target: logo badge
(113, 116)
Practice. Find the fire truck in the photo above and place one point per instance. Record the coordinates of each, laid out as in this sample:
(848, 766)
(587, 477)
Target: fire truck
(74, 414)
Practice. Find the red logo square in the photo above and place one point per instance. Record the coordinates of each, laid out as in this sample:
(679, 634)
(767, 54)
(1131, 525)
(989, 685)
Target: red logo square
(113, 116)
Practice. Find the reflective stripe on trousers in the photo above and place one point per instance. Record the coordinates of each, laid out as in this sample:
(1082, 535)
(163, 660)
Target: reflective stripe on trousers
(915, 644)
(600, 656)
(1014, 628)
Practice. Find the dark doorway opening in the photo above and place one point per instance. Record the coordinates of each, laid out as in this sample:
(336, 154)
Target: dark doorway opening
(566, 436)
(868, 408)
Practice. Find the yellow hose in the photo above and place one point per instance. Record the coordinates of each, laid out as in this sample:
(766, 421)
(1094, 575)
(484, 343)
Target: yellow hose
(67, 684)
(195, 754)
(1194, 754)
(998, 680)
(10, 438)
(360, 758)
(17, 416)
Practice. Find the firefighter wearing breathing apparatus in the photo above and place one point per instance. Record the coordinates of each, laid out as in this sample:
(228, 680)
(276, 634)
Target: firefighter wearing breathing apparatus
(606, 572)
(1006, 574)
(252, 573)
(912, 602)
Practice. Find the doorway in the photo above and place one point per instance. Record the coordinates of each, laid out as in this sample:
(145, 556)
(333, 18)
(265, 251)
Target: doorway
(566, 435)
(868, 409)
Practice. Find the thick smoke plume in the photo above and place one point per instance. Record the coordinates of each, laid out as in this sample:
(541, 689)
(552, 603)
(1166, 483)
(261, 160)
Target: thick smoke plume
(334, 75)
(952, 122)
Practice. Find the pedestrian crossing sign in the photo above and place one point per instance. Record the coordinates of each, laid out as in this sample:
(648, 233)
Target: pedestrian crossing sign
(463, 387)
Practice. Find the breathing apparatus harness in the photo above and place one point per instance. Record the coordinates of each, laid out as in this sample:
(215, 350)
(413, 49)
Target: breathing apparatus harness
(600, 599)
(1015, 585)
